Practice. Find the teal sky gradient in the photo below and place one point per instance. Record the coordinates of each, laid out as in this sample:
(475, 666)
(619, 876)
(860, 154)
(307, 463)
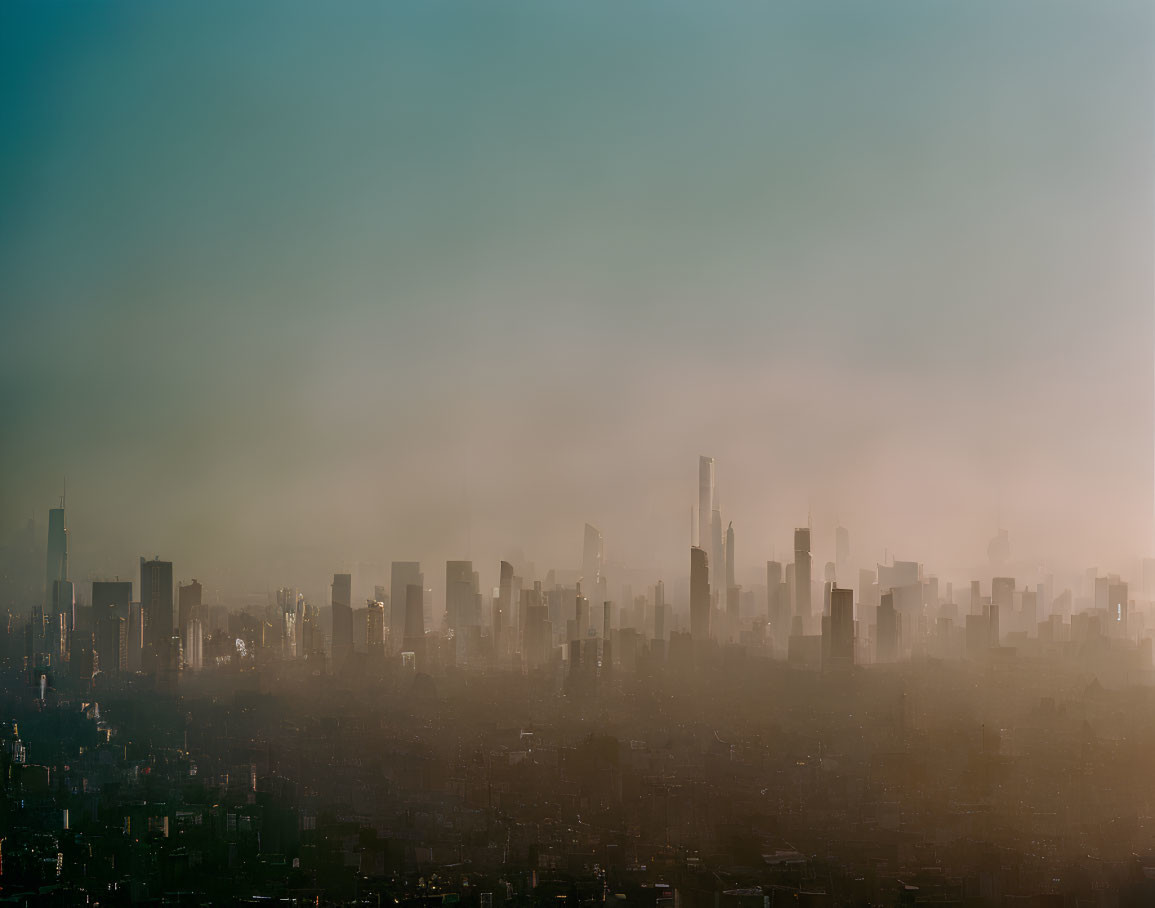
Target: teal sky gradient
(287, 287)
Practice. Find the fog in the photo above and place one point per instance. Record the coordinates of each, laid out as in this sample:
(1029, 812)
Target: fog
(298, 312)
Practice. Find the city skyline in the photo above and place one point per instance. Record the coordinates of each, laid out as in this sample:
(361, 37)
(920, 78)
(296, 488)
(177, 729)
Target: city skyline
(707, 588)
(520, 454)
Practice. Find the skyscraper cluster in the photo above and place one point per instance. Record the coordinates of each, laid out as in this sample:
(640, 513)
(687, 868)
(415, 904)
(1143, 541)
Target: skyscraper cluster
(568, 620)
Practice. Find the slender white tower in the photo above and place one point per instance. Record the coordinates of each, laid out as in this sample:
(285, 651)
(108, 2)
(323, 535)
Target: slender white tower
(705, 499)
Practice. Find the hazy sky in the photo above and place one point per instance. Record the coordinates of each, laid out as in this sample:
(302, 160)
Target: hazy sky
(286, 288)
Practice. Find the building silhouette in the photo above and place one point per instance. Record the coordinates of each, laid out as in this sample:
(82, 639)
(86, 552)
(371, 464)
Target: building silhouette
(778, 610)
(415, 621)
(886, 644)
(188, 602)
(342, 603)
(111, 608)
(705, 499)
(194, 643)
(730, 581)
(717, 558)
(840, 650)
(660, 609)
(802, 608)
(56, 567)
(459, 595)
(403, 574)
(592, 558)
(699, 595)
(502, 617)
(1117, 609)
(156, 614)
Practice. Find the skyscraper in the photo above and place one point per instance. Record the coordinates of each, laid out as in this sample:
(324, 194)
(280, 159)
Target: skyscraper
(774, 611)
(730, 581)
(580, 614)
(156, 612)
(194, 643)
(188, 602)
(717, 558)
(62, 616)
(802, 573)
(660, 610)
(699, 594)
(886, 629)
(402, 575)
(1117, 609)
(415, 621)
(59, 597)
(56, 567)
(732, 612)
(841, 649)
(705, 499)
(375, 629)
(111, 604)
(342, 600)
(592, 554)
(458, 594)
(502, 618)
(538, 631)
(1002, 603)
(290, 606)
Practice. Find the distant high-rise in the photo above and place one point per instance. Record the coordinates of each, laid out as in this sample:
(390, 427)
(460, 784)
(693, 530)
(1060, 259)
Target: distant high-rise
(415, 620)
(705, 500)
(59, 596)
(537, 632)
(194, 643)
(502, 619)
(459, 596)
(886, 629)
(773, 601)
(111, 644)
(717, 558)
(1117, 609)
(580, 615)
(592, 556)
(1002, 603)
(802, 572)
(730, 581)
(111, 595)
(342, 601)
(841, 649)
(111, 607)
(156, 610)
(291, 608)
(402, 575)
(660, 611)
(56, 567)
(699, 594)
(62, 615)
(188, 601)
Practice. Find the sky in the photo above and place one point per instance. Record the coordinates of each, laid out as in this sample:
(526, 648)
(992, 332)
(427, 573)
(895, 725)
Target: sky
(292, 288)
